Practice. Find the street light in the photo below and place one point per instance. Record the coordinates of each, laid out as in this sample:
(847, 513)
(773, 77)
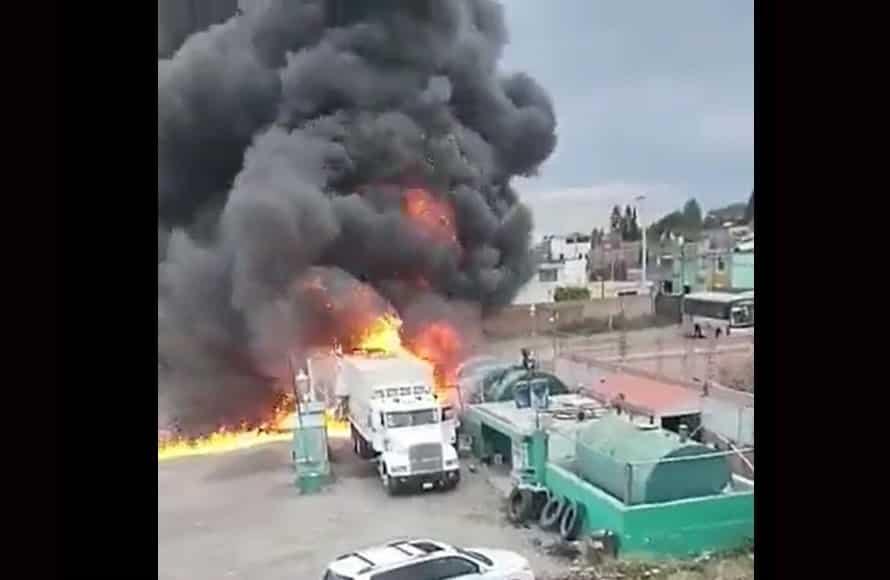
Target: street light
(638, 199)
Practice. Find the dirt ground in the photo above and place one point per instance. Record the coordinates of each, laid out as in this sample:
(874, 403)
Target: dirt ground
(239, 516)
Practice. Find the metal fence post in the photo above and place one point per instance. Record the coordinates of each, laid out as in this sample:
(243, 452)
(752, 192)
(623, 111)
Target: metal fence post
(628, 483)
(739, 431)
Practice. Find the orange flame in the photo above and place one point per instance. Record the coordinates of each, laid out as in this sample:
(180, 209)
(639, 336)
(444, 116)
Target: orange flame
(279, 428)
(438, 344)
(433, 216)
(384, 334)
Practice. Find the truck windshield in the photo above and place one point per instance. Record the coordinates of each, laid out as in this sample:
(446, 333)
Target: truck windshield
(411, 418)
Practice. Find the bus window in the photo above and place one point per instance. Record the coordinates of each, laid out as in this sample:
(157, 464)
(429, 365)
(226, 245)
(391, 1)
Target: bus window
(743, 315)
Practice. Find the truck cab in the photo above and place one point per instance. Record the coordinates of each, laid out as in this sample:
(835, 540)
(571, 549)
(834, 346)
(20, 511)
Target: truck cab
(414, 442)
(395, 417)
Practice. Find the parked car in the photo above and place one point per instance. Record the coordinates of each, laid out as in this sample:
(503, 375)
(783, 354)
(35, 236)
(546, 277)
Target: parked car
(424, 559)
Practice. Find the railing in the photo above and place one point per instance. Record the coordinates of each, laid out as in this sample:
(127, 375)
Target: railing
(711, 473)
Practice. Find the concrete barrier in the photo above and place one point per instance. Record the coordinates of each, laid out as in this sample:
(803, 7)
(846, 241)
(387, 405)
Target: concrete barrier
(602, 313)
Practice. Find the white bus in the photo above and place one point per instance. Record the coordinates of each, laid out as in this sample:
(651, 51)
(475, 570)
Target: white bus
(718, 314)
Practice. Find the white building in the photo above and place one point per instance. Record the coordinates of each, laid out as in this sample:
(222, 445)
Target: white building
(571, 247)
(550, 276)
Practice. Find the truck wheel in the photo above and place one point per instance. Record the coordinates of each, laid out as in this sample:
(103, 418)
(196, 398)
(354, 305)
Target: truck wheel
(355, 439)
(552, 511)
(572, 517)
(391, 485)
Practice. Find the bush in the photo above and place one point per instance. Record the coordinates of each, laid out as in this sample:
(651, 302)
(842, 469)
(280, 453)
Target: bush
(563, 294)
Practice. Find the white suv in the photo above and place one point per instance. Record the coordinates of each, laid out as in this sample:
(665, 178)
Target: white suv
(428, 560)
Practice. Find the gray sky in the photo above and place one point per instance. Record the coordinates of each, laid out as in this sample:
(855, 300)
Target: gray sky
(651, 96)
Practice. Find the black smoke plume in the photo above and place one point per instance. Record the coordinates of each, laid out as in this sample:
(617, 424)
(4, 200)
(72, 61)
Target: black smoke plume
(288, 137)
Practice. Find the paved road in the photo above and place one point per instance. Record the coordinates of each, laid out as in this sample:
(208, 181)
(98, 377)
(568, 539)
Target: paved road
(238, 516)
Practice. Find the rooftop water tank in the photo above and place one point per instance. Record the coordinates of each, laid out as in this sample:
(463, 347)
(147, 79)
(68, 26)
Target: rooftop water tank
(607, 445)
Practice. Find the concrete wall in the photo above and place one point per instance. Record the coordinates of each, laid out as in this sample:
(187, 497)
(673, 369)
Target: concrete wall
(676, 528)
(687, 526)
(730, 420)
(516, 320)
(669, 307)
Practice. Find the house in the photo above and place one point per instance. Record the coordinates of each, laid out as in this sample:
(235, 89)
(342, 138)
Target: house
(698, 271)
(550, 276)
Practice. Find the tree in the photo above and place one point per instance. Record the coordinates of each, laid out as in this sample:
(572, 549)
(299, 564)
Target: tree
(692, 219)
(564, 293)
(615, 221)
(749, 209)
(627, 224)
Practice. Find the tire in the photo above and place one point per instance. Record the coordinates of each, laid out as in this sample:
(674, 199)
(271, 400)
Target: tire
(538, 502)
(697, 332)
(391, 485)
(521, 505)
(355, 438)
(363, 449)
(570, 523)
(551, 513)
(717, 333)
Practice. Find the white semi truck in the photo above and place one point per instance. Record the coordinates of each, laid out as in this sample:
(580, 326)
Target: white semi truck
(395, 417)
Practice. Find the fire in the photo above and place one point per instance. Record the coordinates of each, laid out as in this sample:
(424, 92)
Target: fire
(437, 343)
(279, 428)
(222, 441)
(433, 216)
(384, 334)
(440, 344)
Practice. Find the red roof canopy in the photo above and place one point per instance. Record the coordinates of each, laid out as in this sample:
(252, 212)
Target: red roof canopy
(646, 395)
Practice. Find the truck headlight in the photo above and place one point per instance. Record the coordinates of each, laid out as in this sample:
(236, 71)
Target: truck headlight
(452, 463)
(398, 468)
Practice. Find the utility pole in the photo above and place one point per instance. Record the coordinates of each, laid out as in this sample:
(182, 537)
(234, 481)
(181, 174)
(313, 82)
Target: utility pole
(639, 199)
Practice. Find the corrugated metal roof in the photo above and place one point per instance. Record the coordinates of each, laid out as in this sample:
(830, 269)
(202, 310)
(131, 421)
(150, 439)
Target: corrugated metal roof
(647, 395)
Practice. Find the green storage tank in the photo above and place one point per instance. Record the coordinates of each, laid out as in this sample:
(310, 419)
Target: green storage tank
(604, 449)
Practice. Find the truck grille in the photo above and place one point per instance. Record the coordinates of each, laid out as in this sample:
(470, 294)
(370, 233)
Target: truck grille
(425, 457)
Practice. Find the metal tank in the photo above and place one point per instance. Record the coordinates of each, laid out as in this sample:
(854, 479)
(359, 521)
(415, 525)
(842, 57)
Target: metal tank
(604, 449)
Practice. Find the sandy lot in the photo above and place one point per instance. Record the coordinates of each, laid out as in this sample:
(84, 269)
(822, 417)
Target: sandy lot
(239, 516)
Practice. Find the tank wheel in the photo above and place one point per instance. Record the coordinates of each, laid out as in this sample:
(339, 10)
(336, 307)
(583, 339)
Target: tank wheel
(572, 517)
(521, 505)
(551, 512)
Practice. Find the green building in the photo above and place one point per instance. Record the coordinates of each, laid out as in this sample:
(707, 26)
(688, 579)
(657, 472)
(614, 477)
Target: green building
(702, 272)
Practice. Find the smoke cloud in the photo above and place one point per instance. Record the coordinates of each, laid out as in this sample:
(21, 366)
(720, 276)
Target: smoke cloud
(302, 148)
